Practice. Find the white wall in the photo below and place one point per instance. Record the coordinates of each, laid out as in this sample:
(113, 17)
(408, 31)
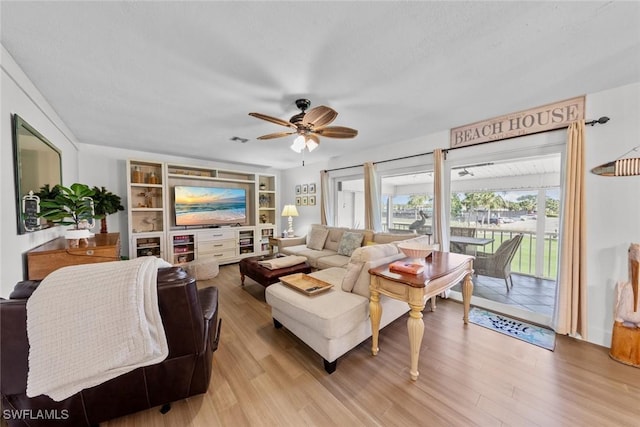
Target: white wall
(19, 96)
(613, 204)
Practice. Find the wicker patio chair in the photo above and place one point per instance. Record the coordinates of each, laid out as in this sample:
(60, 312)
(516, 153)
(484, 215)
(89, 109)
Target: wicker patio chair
(498, 264)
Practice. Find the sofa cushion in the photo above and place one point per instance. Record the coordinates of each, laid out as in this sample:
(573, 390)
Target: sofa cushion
(333, 261)
(317, 237)
(313, 255)
(381, 238)
(332, 313)
(334, 238)
(349, 242)
(293, 250)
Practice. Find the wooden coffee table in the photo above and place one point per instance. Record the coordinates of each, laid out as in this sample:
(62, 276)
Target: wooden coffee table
(250, 267)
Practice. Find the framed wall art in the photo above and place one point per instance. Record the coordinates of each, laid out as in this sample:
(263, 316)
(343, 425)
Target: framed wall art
(305, 188)
(298, 190)
(298, 201)
(305, 201)
(312, 188)
(312, 200)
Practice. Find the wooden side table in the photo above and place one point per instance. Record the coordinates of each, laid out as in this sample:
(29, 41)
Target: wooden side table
(275, 242)
(442, 271)
(50, 256)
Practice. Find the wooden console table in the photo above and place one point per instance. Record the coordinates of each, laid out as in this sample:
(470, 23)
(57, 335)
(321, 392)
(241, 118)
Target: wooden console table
(442, 271)
(55, 254)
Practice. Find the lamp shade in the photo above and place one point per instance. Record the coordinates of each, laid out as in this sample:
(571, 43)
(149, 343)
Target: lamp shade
(289, 210)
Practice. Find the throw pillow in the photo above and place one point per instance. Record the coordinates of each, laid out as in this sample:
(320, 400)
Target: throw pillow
(351, 275)
(349, 243)
(317, 237)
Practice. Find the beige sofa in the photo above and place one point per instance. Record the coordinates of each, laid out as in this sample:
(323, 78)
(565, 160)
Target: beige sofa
(334, 322)
(326, 247)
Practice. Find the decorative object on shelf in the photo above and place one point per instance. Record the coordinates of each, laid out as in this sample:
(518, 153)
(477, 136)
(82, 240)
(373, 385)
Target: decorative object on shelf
(263, 186)
(152, 178)
(264, 201)
(312, 188)
(150, 221)
(148, 198)
(72, 206)
(105, 203)
(137, 176)
(290, 211)
(263, 218)
(312, 200)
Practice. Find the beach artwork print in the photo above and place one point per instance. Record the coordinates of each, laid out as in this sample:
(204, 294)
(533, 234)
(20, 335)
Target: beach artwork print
(210, 205)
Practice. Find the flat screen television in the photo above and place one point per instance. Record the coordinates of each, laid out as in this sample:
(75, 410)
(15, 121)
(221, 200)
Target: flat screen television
(207, 206)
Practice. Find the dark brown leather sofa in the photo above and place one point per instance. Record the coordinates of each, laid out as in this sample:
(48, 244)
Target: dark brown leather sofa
(190, 319)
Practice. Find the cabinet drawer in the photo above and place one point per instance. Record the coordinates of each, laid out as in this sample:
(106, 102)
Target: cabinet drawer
(205, 236)
(219, 255)
(216, 246)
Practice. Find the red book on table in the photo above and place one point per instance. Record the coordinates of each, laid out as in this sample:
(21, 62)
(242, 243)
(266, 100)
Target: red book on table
(406, 267)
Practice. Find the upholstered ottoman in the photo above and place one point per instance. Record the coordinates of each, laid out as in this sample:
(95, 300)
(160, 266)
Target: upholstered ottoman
(202, 268)
(250, 267)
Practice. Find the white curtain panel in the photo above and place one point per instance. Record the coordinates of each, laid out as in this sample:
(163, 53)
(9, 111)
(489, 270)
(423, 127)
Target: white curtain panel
(372, 214)
(440, 232)
(571, 307)
(326, 205)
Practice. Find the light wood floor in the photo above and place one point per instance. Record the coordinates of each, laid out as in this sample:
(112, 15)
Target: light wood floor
(470, 375)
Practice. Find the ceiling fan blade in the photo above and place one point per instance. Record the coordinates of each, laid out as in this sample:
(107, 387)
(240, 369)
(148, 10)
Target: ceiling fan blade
(319, 116)
(273, 120)
(337, 132)
(276, 135)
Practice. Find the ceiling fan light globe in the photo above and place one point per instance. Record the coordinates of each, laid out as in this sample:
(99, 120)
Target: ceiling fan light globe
(312, 145)
(298, 144)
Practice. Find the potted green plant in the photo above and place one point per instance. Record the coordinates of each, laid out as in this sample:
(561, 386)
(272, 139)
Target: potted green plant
(70, 206)
(105, 203)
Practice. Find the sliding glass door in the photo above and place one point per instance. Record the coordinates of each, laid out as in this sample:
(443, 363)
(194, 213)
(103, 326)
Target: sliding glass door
(496, 201)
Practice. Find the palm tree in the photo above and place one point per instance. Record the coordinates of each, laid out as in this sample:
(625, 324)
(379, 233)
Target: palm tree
(105, 203)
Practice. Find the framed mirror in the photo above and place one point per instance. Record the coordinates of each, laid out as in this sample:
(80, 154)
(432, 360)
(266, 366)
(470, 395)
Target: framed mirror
(37, 162)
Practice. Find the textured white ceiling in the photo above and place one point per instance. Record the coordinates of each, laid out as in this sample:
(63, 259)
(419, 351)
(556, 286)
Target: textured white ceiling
(181, 77)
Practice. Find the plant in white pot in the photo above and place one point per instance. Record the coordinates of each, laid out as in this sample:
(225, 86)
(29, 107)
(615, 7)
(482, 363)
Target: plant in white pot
(71, 206)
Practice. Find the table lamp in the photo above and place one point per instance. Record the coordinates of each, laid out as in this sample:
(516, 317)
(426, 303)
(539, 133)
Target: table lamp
(290, 211)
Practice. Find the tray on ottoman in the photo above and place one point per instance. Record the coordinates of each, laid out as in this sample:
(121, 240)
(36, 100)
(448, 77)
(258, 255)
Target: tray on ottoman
(251, 268)
(306, 284)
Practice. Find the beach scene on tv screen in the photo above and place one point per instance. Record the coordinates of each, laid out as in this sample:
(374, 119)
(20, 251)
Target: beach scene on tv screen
(206, 205)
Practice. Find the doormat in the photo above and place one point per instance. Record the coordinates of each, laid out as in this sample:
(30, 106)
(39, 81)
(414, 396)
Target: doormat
(542, 337)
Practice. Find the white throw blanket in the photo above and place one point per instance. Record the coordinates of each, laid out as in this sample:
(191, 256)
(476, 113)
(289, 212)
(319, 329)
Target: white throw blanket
(90, 323)
(282, 262)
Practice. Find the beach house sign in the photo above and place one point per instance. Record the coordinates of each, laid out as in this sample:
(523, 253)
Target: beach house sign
(540, 119)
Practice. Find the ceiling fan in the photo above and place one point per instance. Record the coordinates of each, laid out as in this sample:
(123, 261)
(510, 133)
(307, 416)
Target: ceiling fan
(308, 125)
(465, 172)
